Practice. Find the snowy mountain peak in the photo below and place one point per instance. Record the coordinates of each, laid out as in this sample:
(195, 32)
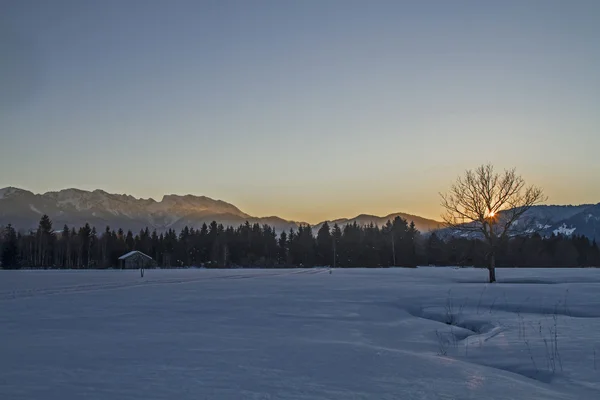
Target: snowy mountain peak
(199, 204)
(75, 207)
(7, 191)
(12, 191)
(564, 230)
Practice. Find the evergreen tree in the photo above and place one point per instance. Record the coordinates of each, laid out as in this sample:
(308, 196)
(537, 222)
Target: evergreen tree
(10, 250)
(565, 254)
(324, 246)
(291, 247)
(271, 247)
(184, 246)
(93, 249)
(213, 244)
(397, 243)
(434, 250)
(594, 255)
(203, 241)
(130, 241)
(411, 244)
(336, 236)
(401, 242)
(368, 256)
(170, 241)
(105, 247)
(45, 242)
(66, 247)
(282, 249)
(161, 251)
(305, 246)
(74, 249)
(154, 246)
(349, 252)
(84, 241)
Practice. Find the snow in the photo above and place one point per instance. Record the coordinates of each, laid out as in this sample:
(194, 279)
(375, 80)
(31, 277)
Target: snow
(127, 255)
(300, 334)
(7, 191)
(34, 209)
(563, 230)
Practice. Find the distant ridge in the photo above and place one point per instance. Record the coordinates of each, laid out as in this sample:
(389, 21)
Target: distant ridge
(75, 207)
(547, 220)
(424, 225)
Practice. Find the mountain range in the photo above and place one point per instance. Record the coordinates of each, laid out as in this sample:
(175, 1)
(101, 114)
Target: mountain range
(75, 207)
(546, 220)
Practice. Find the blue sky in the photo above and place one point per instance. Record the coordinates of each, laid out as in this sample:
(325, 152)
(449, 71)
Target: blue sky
(303, 109)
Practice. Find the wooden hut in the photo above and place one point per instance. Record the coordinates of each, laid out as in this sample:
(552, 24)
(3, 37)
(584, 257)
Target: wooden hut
(136, 260)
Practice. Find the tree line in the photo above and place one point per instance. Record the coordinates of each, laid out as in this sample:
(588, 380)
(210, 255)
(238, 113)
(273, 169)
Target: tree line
(397, 243)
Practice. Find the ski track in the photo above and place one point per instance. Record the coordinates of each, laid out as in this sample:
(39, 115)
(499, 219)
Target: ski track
(25, 293)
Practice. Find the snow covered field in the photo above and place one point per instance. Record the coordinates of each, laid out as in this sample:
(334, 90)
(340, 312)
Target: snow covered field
(427, 333)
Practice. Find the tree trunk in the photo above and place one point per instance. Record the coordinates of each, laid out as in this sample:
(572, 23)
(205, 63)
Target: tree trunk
(393, 251)
(334, 254)
(492, 268)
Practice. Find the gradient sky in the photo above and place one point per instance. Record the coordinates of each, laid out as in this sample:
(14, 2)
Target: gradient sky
(308, 109)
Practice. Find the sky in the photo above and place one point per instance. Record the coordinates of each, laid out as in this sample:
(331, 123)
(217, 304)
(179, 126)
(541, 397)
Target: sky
(309, 110)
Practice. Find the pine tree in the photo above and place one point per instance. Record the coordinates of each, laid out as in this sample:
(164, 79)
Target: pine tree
(161, 250)
(45, 242)
(213, 250)
(106, 247)
(370, 256)
(336, 235)
(203, 241)
(93, 248)
(594, 255)
(256, 245)
(282, 249)
(66, 245)
(170, 242)
(565, 253)
(401, 243)
(270, 249)
(434, 250)
(74, 246)
(349, 252)
(10, 250)
(324, 246)
(83, 236)
(154, 246)
(291, 237)
(130, 241)
(184, 246)
(412, 237)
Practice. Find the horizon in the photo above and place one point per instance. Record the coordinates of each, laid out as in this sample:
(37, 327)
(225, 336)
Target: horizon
(308, 111)
(161, 198)
(312, 223)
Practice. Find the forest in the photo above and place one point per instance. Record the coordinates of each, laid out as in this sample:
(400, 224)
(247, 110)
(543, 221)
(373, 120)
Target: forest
(397, 243)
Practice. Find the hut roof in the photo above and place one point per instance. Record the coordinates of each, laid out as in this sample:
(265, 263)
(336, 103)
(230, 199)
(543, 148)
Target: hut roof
(132, 253)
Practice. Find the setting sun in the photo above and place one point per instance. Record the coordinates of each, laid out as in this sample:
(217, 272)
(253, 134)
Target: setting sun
(491, 214)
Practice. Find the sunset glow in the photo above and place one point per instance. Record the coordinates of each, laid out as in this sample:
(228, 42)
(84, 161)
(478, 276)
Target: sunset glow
(280, 109)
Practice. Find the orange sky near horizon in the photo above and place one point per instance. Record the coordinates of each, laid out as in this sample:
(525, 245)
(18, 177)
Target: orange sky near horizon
(308, 110)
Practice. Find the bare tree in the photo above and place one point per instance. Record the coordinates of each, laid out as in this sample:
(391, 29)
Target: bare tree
(491, 204)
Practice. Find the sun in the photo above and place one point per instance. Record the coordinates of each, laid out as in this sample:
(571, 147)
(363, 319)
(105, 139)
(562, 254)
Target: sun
(491, 214)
